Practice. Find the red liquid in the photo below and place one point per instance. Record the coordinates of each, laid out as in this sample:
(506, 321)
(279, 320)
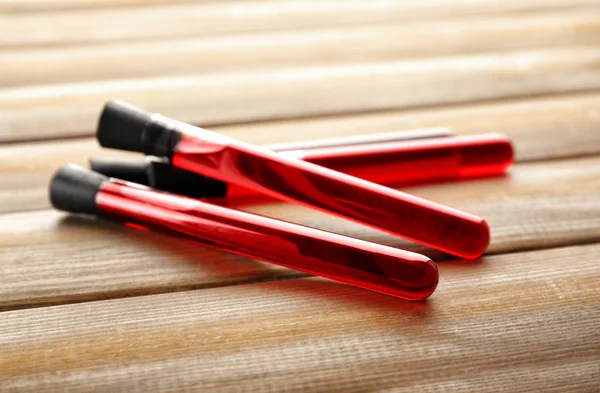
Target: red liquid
(368, 265)
(278, 176)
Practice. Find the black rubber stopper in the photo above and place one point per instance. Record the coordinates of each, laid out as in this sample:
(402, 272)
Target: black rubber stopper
(164, 176)
(160, 174)
(126, 127)
(132, 170)
(121, 126)
(74, 188)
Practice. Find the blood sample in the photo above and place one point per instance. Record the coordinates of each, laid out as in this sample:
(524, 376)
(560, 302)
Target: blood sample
(364, 264)
(417, 160)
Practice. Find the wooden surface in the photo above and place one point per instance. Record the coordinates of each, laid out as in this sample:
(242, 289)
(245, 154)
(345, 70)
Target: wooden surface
(88, 305)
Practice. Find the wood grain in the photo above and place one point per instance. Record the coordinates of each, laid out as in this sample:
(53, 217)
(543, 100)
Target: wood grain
(207, 18)
(72, 109)
(524, 322)
(295, 48)
(546, 128)
(50, 258)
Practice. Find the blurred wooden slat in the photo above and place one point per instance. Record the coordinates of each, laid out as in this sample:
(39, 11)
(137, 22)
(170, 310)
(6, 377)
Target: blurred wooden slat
(541, 129)
(72, 109)
(526, 322)
(179, 20)
(91, 5)
(48, 258)
(13, 6)
(295, 48)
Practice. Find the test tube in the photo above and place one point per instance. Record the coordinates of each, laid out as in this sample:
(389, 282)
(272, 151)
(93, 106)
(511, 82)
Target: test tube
(380, 268)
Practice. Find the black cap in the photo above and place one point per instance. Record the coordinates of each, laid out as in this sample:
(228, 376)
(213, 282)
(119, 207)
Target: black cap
(74, 188)
(126, 127)
(164, 176)
(133, 170)
(160, 174)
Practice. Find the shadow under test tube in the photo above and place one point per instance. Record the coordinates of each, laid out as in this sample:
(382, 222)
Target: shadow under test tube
(367, 265)
(446, 229)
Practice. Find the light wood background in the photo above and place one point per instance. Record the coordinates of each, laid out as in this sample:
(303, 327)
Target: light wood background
(88, 305)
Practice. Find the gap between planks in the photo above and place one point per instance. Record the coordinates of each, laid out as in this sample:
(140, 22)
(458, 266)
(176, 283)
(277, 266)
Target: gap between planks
(51, 257)
(72, 109)
(527, 320)
(329, 45)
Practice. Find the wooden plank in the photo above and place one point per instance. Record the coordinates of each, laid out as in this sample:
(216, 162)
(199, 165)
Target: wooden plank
(541, 127)
(546, 128)
(72, 109)
(51, 258)
(525, 322)
(53, 5)
(176, 20)
(295, 48)
(14, 6)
